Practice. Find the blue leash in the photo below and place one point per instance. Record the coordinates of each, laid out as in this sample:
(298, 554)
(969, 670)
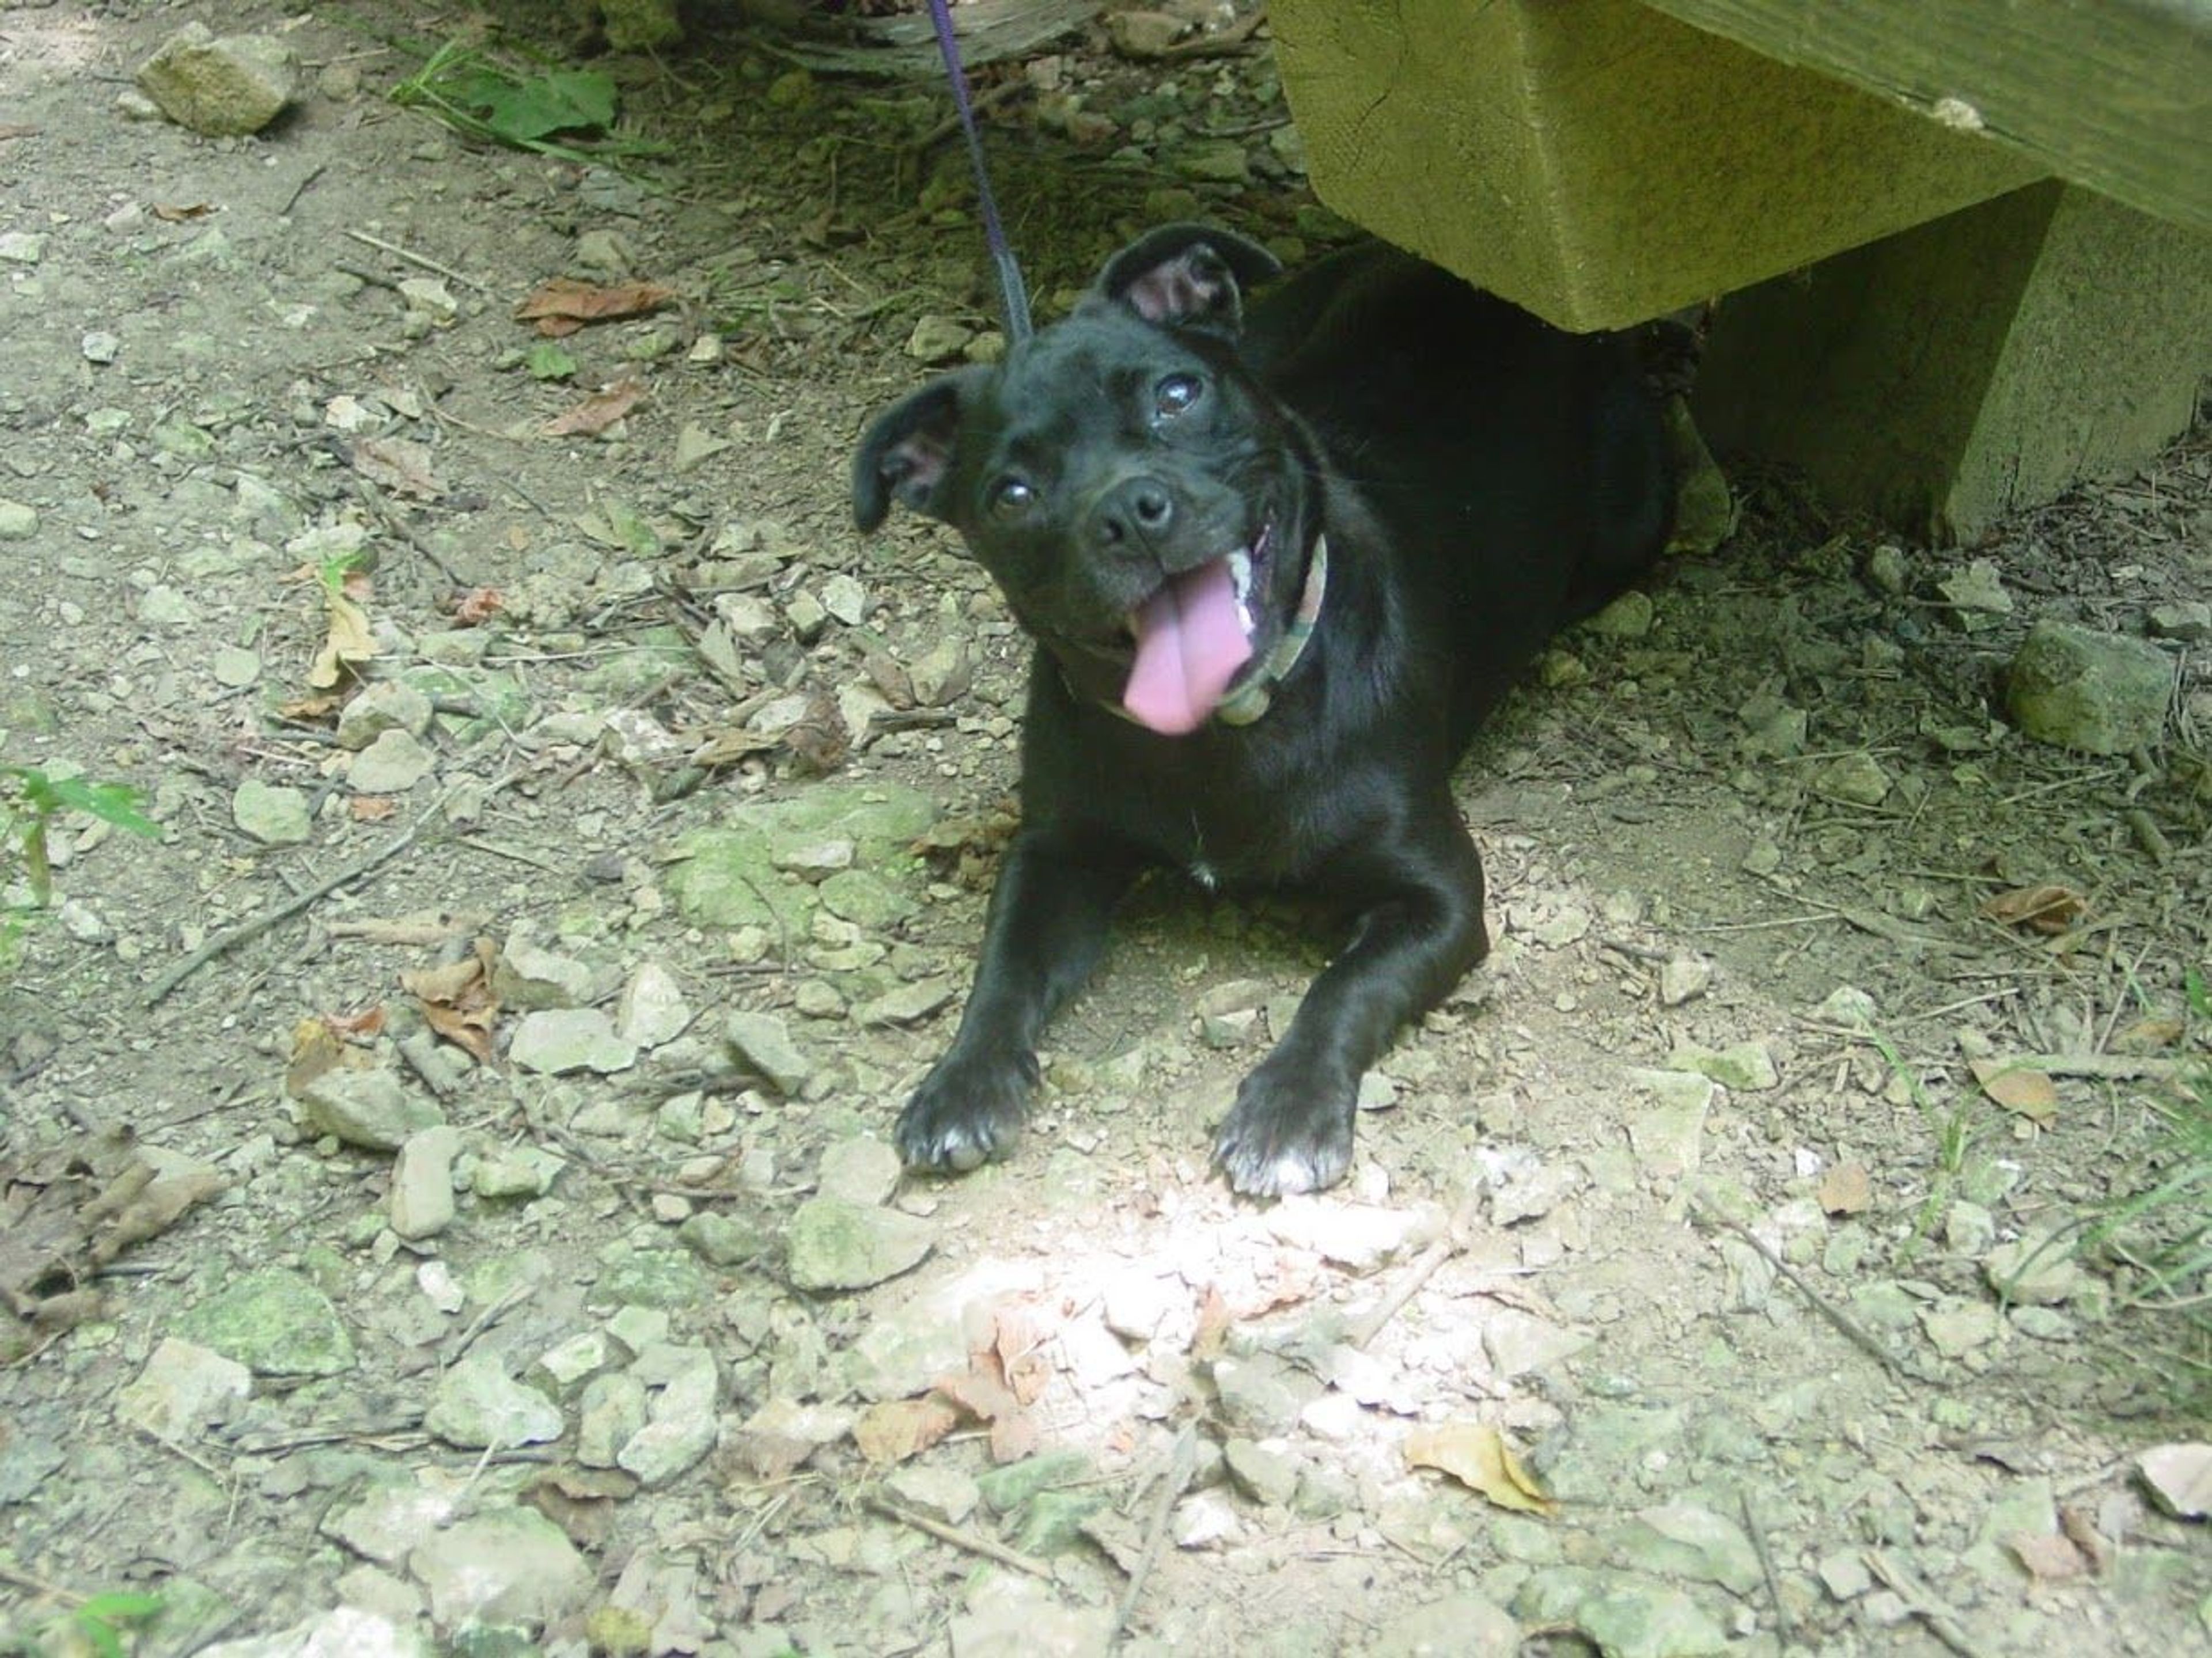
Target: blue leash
(1013, 298)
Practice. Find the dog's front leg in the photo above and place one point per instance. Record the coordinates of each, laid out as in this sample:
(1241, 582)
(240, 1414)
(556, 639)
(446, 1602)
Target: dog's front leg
(1048, 917)
(1420, 929)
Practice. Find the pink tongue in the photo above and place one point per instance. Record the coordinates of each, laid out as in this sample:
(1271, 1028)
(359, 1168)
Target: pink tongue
(1189, 646)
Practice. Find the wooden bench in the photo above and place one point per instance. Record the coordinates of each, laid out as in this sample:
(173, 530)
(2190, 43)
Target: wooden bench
(1966, 244)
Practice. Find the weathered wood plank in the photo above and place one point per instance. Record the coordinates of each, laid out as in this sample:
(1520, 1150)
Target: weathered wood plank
(2114, 95)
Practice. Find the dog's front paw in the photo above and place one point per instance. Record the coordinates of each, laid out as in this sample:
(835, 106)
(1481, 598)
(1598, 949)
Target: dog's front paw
(1288, 1132)
(967, 1110)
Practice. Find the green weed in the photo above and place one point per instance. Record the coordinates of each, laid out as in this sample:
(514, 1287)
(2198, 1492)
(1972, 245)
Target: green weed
(551, 111)
(30, 800)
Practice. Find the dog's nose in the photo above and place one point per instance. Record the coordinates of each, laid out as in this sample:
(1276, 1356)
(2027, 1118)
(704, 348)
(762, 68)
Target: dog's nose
(1135, 509)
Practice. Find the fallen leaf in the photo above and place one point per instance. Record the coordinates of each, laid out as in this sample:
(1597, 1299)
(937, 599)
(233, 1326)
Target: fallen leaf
(2049, 1557)
(596, 412)
(1213, 1319)
(2047, 908)
(308, 709)
(2015, 1087)
(2180, 1477)
(1476, 1454)
(2149, 1036)
(900, 1428)
(479, 605)
(399, 465)
(316, 1050)
(1018, 1346)
(564, 305)
(456, 1000)
(2081, 1531)
(726, 748)
(347, 643)
(358, 1028)
(169, 214)
(1847, 1189)
(372, 808)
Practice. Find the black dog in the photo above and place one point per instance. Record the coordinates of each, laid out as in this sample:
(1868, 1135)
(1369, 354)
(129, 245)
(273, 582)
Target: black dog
(1276, 568)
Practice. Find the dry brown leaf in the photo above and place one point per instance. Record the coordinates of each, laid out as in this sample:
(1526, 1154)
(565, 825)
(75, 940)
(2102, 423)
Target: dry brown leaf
(596, 412)
(348, 643)
(563, 305)
(1476, 1454)
(169, 213)
(2149, 1036)
(2180, 1477)
(1013, 1437)
(456, 1000)
(1847, 1189)
(2047, 908)
(2049, 1557)
(362, 1027)
(900, 1428)
(2081, 1529)
(479, 605)
(1018, 1347)
(399, 465)
(1213, 1319)
(2017, 1088)
(316, 1050)
(308, 709)
(979, 1394)
(726, 748)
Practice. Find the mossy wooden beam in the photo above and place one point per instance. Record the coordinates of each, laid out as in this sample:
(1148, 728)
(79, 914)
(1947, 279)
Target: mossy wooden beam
(1598, 161)
(2116, 94)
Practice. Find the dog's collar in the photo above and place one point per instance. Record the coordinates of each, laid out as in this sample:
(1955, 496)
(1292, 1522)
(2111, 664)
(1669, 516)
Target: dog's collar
(1256, 694)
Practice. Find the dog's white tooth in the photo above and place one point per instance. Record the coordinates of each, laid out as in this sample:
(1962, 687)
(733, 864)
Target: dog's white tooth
(1240, 573)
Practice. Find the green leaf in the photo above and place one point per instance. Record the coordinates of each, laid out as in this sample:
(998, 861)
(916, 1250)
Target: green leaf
(113, 803)
(548, 360)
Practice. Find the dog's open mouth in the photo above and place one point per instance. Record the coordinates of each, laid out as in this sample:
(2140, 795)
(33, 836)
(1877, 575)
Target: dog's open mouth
(1192, 637)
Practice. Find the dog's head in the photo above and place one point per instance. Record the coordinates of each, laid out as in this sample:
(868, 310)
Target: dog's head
(1136, 494)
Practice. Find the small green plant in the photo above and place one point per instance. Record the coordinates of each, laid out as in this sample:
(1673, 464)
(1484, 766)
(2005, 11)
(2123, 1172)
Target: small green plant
(30, 800)
(564, 113)
(95, 1625)
(1955, 1139)
(2165, 1232)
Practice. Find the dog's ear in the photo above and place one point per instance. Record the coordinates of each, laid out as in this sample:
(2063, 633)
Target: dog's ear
(1188, 276)
(907, 451)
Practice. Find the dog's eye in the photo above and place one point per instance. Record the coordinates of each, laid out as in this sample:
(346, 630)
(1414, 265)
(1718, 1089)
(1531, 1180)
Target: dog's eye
(1011, 497)
(1175, 394)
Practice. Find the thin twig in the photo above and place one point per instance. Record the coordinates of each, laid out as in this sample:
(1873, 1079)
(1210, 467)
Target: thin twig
(399, 252)
(959, 1538)
(1423, 1269)
(1852, 1330)
(1183, 1463)
(232, 937)
(1759, 1546)
(1940, 1621)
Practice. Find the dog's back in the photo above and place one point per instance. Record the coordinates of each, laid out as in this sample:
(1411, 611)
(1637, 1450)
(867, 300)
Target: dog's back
(1521, 471)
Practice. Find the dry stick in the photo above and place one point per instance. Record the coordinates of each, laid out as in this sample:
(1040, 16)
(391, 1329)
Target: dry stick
(1940, 1621)
(1757, 1533)
(1421, 1271)
(958, 1538)
(1183, 1463)
(399, 252)
(231, 938)
(1856, 1334)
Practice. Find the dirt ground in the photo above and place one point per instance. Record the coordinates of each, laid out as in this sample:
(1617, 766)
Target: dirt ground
(1676, 1237)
